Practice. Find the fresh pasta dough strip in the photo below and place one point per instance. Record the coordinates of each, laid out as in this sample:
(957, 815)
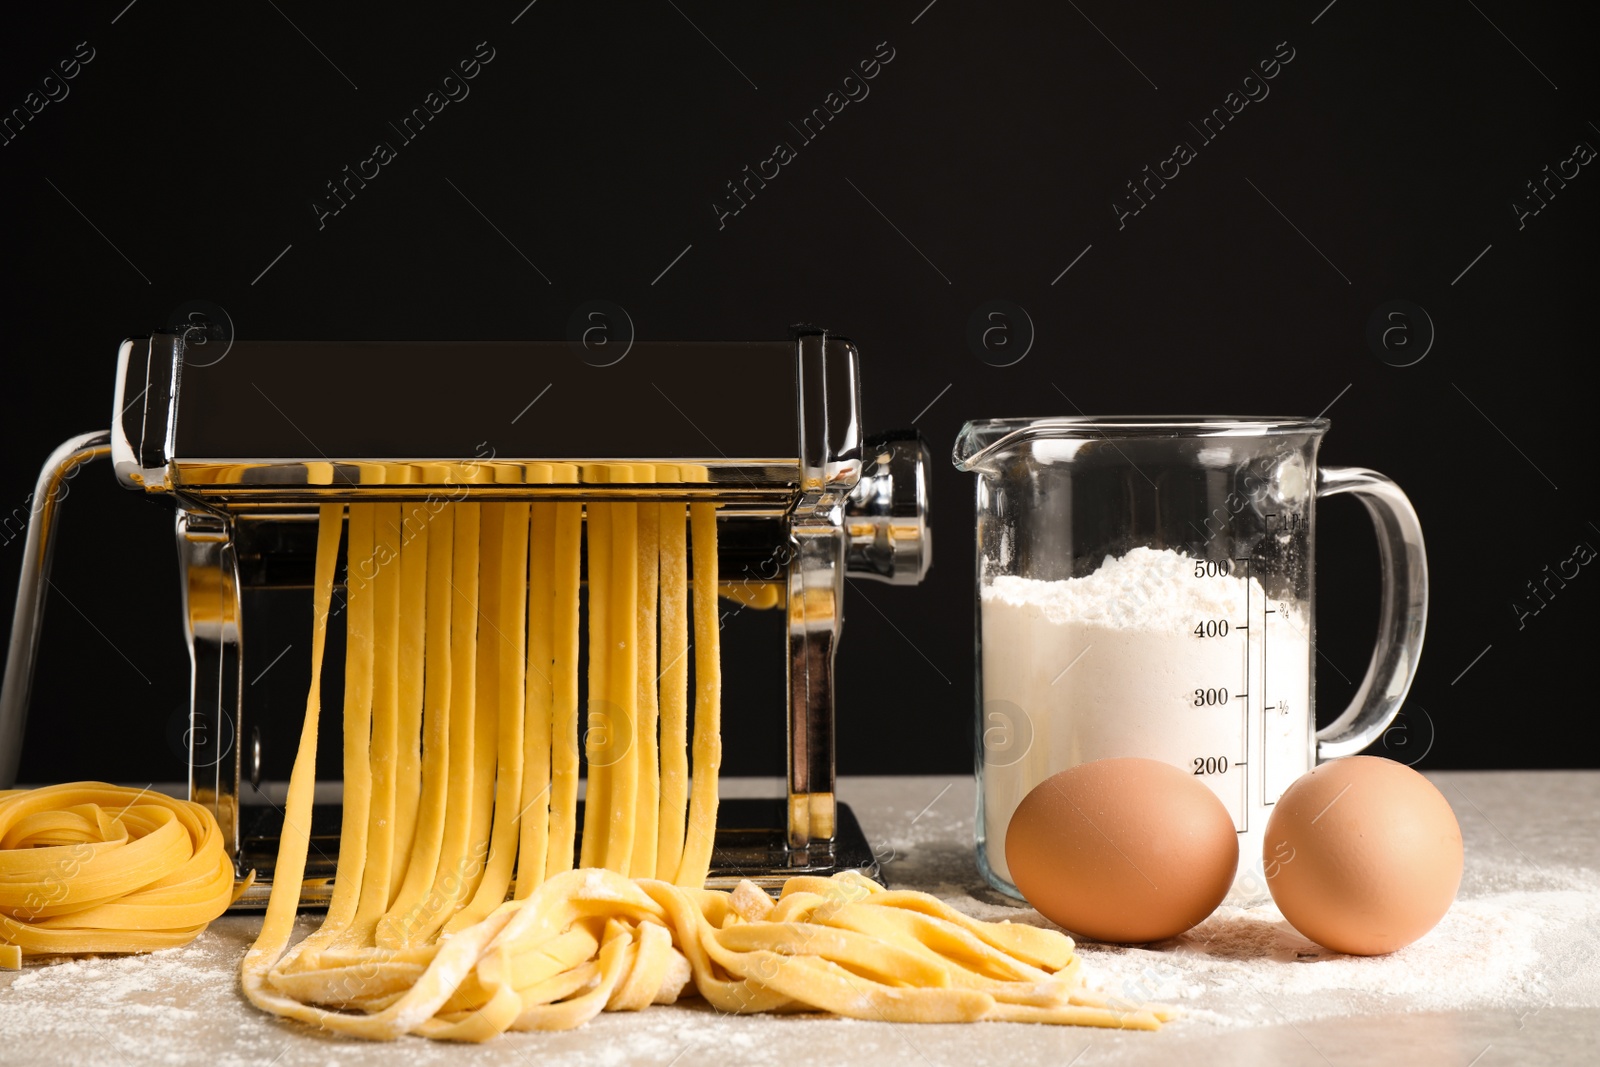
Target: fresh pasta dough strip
(555, 956)
(672, 526)
(338, 983)
(564, 748)
(702, 825)
(646, 804)
(597, 794)
(358, 687)
(835, 902)
(653, 957)
(578, 1010)
(972, 963)
(295, 839)
(824, 984)
(1027, 943)
(396, 928)
(622, 690)
(863, 955)
(537, 806)
(460, 854)
(1071, 1015)
(511, 664)
(694, 932)
(377, 881)
(412, 619)
(1086, 998)
(492, 646)
(359, 597)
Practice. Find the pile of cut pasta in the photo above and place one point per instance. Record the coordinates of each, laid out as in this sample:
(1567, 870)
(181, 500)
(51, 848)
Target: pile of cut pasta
(457, 911)
(592, 940)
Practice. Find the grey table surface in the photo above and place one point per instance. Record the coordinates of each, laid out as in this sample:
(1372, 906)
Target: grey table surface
(1511, 975)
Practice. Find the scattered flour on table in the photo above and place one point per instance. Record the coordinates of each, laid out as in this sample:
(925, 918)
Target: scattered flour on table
(1248, 966)
(183, 1006)
(111, 1009)
(1518, 948)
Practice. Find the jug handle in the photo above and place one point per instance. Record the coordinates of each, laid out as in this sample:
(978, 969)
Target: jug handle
(1402, 617)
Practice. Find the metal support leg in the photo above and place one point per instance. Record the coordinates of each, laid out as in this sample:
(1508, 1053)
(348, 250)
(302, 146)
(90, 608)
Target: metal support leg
(211, 611)
(816, 585)
(32, 585)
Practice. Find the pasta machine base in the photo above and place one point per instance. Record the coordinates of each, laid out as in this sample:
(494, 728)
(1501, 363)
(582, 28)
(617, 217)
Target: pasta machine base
(751, 844)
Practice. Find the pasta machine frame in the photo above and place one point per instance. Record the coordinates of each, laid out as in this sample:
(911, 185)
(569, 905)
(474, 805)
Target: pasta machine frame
(248, 445)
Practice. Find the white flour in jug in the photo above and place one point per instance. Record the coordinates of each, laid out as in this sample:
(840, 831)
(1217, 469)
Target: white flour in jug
(1133, 660)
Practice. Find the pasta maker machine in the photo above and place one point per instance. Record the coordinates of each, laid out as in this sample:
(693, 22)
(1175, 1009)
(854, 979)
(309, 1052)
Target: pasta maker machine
(248, 445)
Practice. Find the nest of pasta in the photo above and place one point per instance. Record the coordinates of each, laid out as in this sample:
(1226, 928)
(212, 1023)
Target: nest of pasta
(87, 867)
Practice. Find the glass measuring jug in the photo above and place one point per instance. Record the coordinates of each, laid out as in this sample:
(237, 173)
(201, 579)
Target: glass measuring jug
(1145, 588)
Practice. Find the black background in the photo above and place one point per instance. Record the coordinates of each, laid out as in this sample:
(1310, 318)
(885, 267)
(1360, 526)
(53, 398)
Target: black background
(1383, 165)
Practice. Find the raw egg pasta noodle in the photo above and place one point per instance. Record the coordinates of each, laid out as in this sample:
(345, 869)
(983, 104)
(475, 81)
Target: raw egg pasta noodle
(420, 936)
(648, 711)
(673, 584)
(90, 867)
(702, 825)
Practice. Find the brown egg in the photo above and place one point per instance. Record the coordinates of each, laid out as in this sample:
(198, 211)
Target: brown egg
(1128, 850)
(1363, 855)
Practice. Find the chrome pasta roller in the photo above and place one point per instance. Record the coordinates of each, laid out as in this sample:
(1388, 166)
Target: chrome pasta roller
(247, 447)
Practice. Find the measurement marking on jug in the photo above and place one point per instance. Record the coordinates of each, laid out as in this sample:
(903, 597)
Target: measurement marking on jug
(1244, 709)
(1265, 611)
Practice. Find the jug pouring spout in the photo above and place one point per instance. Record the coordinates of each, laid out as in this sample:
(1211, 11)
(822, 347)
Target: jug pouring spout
(990, 446)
